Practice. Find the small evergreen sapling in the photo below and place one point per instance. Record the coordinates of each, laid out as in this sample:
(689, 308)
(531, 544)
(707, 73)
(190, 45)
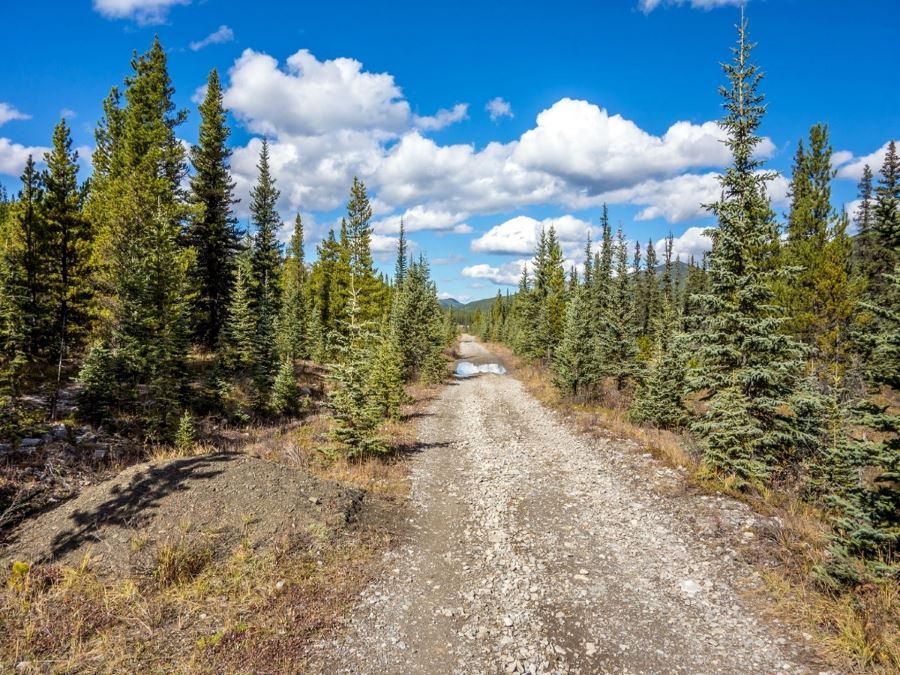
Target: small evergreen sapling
(284, 389)
(186, 435)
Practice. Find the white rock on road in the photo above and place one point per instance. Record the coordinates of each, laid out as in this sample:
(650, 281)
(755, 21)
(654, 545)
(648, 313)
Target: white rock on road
(536, 549)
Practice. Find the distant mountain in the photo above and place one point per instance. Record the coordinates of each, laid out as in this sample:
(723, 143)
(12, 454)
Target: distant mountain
(456, 305)
(679, 269)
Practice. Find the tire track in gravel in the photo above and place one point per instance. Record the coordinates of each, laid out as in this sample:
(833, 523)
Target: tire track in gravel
(532, 548)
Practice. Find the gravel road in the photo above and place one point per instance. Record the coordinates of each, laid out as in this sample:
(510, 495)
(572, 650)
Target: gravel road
(534, 548)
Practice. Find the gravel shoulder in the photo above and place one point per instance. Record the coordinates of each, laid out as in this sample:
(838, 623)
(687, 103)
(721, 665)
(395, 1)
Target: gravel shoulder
(533, 548)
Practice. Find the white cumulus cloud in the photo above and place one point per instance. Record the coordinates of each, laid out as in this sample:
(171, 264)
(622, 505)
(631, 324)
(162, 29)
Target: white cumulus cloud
(693, 242)
(582, 143)
(328, 121)
(851, 167)
(221, 35)
(14, 155)
(142, 11)
(419, 218)
(311, 97)
(519, 235)
(505, 275)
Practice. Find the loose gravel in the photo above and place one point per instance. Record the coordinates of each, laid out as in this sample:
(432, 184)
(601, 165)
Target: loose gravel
(534, 548)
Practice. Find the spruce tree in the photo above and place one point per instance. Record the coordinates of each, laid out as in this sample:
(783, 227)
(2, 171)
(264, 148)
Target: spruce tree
(819, 296)
(602, 269)
(241, 322)
(321, 285)
(863, 467)
(212, 228)
(13, 327)
(284, 389)
(362, 270)
(588, 275)
(549, 294)
(138, 204)
(386, 376)
(401, 265)
(69, 237)
(356, 410)
(524, 317)
(650, 306)
(266, 261)
(747, 366)
(886, 214)
(638, 297)
(575, 362)
(28, 250)
(617, 349)
(293, 324)
(659, 397)
(416, 325)
(341, 283)
(864, 251)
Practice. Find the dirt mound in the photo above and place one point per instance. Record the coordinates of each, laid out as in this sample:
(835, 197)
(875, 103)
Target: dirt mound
(210, 502)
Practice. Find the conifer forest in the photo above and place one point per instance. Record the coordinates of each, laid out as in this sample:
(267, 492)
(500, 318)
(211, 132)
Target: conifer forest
(144, 326)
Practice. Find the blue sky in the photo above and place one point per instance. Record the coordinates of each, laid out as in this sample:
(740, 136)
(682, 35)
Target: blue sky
(476, 121)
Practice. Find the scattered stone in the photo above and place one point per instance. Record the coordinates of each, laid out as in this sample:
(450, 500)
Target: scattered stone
(689, 587)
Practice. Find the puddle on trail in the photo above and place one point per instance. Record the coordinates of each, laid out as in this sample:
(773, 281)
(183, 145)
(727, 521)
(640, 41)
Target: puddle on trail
(466, 369)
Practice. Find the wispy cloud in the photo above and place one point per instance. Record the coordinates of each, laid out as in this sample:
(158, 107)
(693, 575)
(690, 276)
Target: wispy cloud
(647, 6)
(220, 36)
(442, 118)
(8, 113)
(498, 108)
(143, 11)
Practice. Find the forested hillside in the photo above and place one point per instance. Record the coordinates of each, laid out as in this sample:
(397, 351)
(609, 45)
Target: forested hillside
(136, 293)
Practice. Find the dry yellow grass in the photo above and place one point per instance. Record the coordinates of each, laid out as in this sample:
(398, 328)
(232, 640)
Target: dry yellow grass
(245, 612)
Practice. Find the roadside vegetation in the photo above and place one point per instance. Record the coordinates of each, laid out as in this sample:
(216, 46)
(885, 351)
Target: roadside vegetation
(768, 370)
(139, 322)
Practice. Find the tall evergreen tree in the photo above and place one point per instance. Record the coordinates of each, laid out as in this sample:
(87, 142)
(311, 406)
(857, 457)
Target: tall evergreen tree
(819, 297)
(886, 224)
(362, 270)
(602, 268)
(69, 237)
(659, 397)
(293, 324)
(650, 306)
(575, 362)
(266, 264)
(138, 204)
(212, 228)
(617, 349)
(28, 251)
(402, 263)
(864, 251)
(748, 366)
(321, 284)
(550, 289)
(416, 326)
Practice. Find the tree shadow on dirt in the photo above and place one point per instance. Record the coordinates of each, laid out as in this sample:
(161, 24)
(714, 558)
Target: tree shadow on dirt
(132, 505)
(405, 449)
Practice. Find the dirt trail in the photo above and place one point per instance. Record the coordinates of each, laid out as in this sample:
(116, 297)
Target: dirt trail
(533, 548)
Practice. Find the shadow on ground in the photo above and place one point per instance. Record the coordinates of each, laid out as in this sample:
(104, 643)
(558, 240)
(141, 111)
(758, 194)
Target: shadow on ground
(133, 505)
